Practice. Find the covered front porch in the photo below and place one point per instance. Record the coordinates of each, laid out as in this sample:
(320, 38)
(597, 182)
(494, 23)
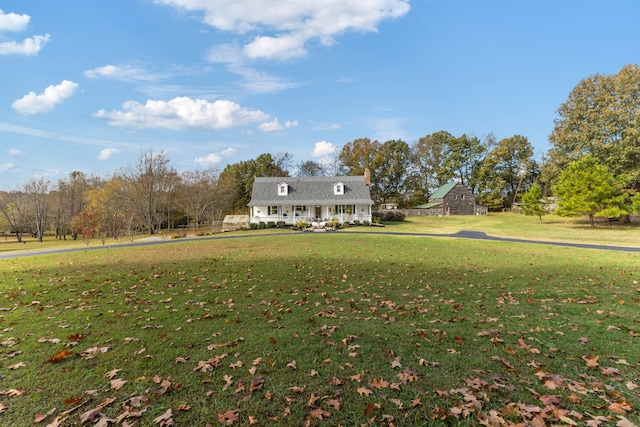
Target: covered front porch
(291, 215)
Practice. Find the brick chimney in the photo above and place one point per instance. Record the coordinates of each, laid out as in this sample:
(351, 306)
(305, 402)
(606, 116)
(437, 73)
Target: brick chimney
(367, 177)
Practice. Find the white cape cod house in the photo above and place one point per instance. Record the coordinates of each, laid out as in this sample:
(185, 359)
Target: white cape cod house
(319, 198)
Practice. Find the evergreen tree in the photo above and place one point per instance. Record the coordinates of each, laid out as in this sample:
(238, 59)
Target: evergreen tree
(588, 188)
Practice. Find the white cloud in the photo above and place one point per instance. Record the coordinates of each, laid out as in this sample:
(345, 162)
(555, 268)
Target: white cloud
(28, 46)
(13, 21)
(15, 152)
(323, 149)
(276, 47)
(282, 29)
(274, 125)
(385, 129)
(182, 113)
(333, 126)
(253, 80)
(47, 100)
(126, 73)
(107, 153)
(214, 158)
(6, 166)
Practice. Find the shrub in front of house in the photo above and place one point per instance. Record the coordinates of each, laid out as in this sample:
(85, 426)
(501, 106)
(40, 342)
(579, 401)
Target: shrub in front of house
(271, 224)
(262, 224)
(253, 225)
(280, 224)
(301, 224)
(389, 215)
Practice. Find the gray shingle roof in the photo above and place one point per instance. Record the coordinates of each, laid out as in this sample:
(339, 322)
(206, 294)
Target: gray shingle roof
(317, 190)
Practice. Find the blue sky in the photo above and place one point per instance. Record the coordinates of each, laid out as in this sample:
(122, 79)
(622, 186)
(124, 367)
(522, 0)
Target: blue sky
(90, 85)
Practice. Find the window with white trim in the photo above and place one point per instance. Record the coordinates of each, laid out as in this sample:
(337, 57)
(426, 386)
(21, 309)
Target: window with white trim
(272, 210)
(338, 188)
(344, 209)
(283, 189)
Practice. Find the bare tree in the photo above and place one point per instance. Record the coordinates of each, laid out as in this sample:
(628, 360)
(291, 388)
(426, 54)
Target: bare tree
(198, 193)
(150, 179)
(37, 190)
(14, 208)
(70, 201)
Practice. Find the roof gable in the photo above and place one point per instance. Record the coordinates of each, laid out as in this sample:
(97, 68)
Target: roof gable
(441, 192)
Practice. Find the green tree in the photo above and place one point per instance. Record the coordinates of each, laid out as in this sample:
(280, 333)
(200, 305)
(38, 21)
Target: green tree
(427, 157)
(635, 203)
(505, 169)
(587, 187)
(310, 168)
(393, 170)
(240, 177)
(462, 159)
(533, 203)
(360, 154)
(601, 118)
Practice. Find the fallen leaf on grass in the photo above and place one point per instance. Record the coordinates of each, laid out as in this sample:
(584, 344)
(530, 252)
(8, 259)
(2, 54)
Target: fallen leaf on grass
(117, 384)
(12, 392)
(335, 403)
(379, 384)
(398, 403)
(318, 413)
(16, 366)
(112, 373)
(624, 422)
(396, 362)
(60, 356)
(505, 362)
(228, 417)
(364, 390)
(592, 361)
(620, 408)
(72, 401)
(164, 419)
(610, 371)
(57, 422)
(91, 415)
(92, 352)
(41, 417)
(77, 337)
(256, 384)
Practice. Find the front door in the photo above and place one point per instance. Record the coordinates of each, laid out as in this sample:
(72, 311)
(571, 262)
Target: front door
(319, 212)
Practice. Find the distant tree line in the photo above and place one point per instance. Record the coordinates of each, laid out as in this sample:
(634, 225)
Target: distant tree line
(593, 167)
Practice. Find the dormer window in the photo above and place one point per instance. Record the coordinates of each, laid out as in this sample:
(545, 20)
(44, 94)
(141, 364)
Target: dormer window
(338, 189)
(283, 189)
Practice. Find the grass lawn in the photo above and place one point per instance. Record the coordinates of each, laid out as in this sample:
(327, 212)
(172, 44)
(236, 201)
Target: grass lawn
(321, 329)
(552, 228)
